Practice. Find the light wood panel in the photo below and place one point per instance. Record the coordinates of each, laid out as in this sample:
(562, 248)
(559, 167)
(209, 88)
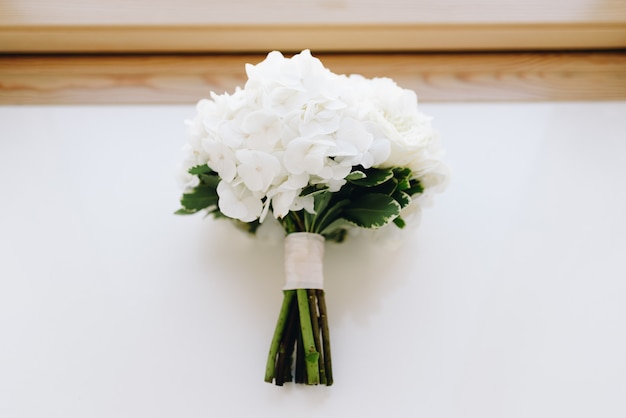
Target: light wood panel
(322, 25)
(235, 12)
(435, 77)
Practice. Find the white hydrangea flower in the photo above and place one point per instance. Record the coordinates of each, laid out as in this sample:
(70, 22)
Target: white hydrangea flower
(322, 117)
(303, 202)
(186, 180)
(238, 202)
(355, 142)
(295, 124)
(257, 169)
(307, 155)
(262, 129)
(221, 159)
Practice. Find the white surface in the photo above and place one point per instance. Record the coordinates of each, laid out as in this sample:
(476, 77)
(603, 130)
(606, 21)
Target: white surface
(508, 302)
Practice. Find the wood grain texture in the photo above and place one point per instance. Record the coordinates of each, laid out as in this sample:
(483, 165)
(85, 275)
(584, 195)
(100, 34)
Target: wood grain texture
(185, 79)
(32, 26)
(326, 38)
(236, 12)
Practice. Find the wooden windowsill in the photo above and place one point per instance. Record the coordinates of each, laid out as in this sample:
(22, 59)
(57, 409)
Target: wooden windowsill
(168, 79)
(217, 26)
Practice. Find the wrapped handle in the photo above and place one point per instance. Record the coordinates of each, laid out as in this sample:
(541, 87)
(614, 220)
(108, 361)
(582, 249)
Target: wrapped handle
(304, 253)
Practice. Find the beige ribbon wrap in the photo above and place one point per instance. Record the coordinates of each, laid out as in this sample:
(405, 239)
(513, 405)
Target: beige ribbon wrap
(304, 253)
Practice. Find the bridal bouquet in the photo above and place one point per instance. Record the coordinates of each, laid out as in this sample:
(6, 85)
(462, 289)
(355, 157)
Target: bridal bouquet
(322, 154)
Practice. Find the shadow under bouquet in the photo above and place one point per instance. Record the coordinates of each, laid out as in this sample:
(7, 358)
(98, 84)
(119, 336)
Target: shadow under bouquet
(322, 154)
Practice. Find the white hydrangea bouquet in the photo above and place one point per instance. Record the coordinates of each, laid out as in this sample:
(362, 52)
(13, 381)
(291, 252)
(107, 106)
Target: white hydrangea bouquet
(322, 154)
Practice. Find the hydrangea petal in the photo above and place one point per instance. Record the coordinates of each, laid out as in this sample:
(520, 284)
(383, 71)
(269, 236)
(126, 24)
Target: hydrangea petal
(257, 169)
(238, 203)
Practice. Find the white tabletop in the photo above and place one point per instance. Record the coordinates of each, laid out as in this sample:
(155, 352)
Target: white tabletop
(508, 301)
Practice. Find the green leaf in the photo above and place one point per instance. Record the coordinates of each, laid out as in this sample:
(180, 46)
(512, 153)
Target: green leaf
(332, 213)
(401, 172)
(313, 188)
(403, 177)
(288, 224)
(402, 198)
(355, 175)
(209, 179)
(183, 211)
(403, 183)
(338, 235)
(373, 177)
(321, 200)
(336, 225)
(399, 222)
(199, 198)
(388, 187)
(416, 188)
(200, 169)
(372, 210)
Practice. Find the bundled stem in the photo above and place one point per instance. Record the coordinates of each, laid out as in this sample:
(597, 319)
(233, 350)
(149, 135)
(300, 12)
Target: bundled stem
(300, 348)
(278, 335)
(312, 298)
(323, 319)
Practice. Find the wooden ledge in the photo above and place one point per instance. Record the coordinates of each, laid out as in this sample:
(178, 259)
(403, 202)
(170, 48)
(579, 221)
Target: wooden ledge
(217, 26)
(184, 79)
(327, 37)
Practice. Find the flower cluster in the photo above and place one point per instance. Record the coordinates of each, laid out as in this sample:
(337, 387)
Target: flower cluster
(294, 125)
(325, 155)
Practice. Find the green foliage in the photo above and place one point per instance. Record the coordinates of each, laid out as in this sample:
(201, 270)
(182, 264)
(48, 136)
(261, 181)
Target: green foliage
(399, 222)
(373, 177)
(337, 228)
(209, 180)
(402, 198)
(371, 198)
(200, 169)
(356, 175)
(387, 187)
(372, 210)
(201, 197)
(183, 211)
(415, 188)
(204, 195)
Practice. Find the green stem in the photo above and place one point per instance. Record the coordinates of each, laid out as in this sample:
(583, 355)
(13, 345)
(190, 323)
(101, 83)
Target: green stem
(270, 368)
(330, 215)
(298, 221)
(311, 354)
(287, 344)
(308, 221)
(321, 301)
(300, 374)
(316, 332)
